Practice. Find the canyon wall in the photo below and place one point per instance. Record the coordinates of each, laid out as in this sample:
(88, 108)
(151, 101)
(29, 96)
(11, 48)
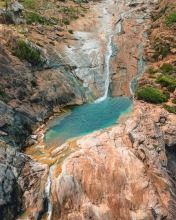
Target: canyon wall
(119, 173)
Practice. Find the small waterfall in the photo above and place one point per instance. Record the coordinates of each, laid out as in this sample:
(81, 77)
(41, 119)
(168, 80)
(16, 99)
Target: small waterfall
(47, 191)
(142, 66)
(107, 68)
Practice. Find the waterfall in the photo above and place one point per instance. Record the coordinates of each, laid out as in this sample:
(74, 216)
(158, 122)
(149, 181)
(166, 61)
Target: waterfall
(142, 66)
(107, 68)
(47, 191)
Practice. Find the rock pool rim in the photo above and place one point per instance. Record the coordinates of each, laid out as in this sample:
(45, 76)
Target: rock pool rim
(84, 119)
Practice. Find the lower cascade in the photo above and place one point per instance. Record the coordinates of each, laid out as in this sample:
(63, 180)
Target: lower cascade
(47, 191)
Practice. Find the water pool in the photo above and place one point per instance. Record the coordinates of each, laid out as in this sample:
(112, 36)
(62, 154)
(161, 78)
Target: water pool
(87, 118)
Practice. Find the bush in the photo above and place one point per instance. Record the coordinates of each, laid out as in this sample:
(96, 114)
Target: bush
(167, 68)
(34, 83)
(65, 21)
(31, 4)
(3, 94)
(24, 52)
(174, 100)
(167, 94)
(171, 19)
(70, 31)
(34, 17)
(167, 81)
(6, 18)
(152, 71)
(161, 50)
(160, 13)
(169, 108)
(151, 94)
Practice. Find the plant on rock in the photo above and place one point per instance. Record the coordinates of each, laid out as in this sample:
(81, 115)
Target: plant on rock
(150, 94)
(24, 52)
(171, 19)
(167, 81)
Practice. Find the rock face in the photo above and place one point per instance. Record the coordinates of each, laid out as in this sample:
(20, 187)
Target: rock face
(119, 173)
(73, 71)
(124, 172)
(29, 97)
(18, 173)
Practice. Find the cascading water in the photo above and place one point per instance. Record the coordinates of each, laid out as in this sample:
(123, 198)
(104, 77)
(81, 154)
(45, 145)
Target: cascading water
(107, 68)
(142, 66)
(47, 191)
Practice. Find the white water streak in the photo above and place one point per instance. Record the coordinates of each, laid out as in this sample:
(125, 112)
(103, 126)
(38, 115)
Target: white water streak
(47, 191)
(107, 68)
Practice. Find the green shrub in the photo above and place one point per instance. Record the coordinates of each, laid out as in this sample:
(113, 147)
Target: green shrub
(70, 31)
(31, 4)
(169, 38)
(160, 13)
(155, 146)
(3, 94)
(34, 17)
(171, 19)
(161, 50)
(167, 94)
(34, 83)
(167, 81)
(24, 52)
(152, 76)
(169, 108)
(174, 100)
(167, 68)
(151, 94)
(65, 21)
(6, 18)
(152, 71)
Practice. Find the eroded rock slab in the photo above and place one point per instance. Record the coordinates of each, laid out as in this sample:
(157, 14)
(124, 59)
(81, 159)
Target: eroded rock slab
(120, 173)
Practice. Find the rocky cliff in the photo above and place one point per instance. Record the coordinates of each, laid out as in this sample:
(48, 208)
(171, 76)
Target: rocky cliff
(123, 172)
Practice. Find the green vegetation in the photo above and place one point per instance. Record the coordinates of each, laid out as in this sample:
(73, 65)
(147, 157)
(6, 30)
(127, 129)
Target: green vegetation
(24, 52)
(30, 4)
(34, 83)
(3, 94)
(167, 81)
(34, 17)
(65, 21)
(159, 14)
(70, 31)
(167, 68)
(167, 94)
(155, 146)
(161, 50)
(171, 19)
(151, 94)
(174, 100)
(169, 38)
(169, 108)
(6, 17)
(152, 71)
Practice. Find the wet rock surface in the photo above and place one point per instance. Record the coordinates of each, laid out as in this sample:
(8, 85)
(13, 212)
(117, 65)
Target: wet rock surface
(122, 172)
(119, 173)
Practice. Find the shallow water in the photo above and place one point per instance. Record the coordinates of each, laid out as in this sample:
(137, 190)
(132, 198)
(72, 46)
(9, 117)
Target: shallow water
(87, 118)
